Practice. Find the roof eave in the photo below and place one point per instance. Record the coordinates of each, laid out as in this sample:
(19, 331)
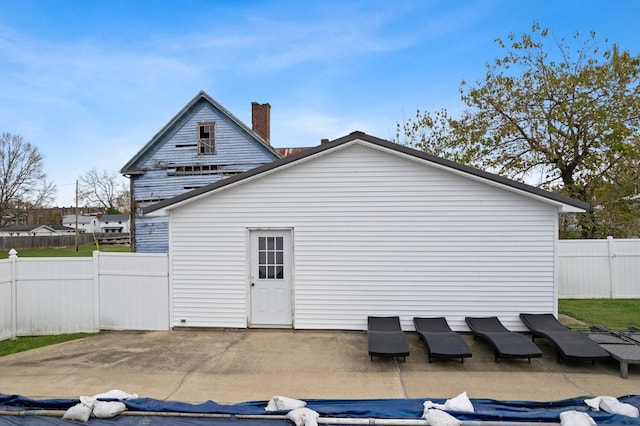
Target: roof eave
(563, 203)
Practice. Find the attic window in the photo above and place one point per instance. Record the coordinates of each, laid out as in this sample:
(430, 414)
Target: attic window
(206, 138)
(198, 169)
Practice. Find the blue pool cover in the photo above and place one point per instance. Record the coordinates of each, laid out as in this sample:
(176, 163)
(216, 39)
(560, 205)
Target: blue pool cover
(486, 410)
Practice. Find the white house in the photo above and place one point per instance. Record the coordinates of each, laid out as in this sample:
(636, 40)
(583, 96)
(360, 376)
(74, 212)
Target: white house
(105, 223)
(86, 223)
(114, 223)
(361, 226)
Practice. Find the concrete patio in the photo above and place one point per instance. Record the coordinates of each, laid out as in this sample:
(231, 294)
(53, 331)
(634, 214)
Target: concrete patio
(230, 366)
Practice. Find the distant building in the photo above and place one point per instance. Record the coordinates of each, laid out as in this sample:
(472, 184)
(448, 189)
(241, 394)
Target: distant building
(99, 223)
(114, 223)
(35, 230)
(86, 223)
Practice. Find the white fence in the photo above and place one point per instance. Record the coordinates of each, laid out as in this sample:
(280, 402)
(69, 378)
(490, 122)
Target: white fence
(130, 291)
(41, 296)
(6, 300)
(599, 268)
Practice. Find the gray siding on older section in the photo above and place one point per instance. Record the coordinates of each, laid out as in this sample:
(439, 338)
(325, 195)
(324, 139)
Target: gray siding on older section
(236, 152)
(374, 234)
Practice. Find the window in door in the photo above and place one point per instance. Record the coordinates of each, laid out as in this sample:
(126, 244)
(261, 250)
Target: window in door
(271, 258)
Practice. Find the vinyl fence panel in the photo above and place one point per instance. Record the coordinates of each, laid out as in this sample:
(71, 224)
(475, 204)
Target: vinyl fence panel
(6, 300)
(55, 296)
(134, 291)
(599, 268)
(626, 269)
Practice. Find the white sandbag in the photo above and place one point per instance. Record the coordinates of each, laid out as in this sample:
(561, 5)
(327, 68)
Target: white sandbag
(594, 403)
(459, 403)
(108, 409)
(78, 413)
(89, 401)
(576, 418)
(436, 417)
(303, 416)
(278, 403)
(116, 394)
(429, 405)
(82, 411)
(613, 406)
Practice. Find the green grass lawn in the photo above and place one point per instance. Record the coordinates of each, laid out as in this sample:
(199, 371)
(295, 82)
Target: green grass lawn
(612, 313)
(83, 251)
(21, 344)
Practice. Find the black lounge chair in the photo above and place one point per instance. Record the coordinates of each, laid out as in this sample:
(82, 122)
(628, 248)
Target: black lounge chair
(620, 345)
(440, 340)
(633, 334)
(386, 338)
(505, 343)
(569, 344)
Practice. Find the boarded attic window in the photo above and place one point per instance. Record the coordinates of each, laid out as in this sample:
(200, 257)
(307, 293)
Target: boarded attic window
(198, 169)
(206, 138)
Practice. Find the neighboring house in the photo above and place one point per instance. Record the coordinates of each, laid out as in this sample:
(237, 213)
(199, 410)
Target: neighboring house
(361, 226)
(202, 144)
(86, 223)
(35, 230)
(114, 223)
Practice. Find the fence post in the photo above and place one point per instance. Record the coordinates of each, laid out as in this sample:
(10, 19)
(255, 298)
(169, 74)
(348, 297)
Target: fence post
(96, 290)
(13, 257)
(612, 266)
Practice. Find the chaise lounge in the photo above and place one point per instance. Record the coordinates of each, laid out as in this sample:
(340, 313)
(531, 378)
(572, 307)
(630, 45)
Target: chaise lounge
(386, 338)
(505, 343)
(621, 346)
(569, 344)
(633, 334)
(440, 340)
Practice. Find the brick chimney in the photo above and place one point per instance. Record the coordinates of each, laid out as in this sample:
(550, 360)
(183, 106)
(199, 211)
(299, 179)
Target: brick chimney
(261, 120)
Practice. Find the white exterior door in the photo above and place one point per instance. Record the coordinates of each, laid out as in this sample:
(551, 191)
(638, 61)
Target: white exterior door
(270, 279)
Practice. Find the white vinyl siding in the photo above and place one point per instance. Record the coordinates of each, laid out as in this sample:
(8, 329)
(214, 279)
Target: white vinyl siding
(374, 234)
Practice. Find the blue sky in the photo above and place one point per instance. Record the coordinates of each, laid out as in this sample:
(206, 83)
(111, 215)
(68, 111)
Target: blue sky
(90, 82)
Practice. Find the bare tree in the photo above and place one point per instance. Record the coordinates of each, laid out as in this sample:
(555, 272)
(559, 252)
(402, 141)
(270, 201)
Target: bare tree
(44, 194)
(22, 178)
(123, 202)
(103, 189)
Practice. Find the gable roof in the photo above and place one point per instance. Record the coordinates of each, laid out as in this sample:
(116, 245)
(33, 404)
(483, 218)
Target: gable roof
(23, 228)
(567, 204)
(114, 218)
(32, 228)
(82, 219)
(131, 166)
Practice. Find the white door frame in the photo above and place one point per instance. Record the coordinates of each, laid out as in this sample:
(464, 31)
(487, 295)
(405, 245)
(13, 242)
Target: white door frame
(274, 315)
